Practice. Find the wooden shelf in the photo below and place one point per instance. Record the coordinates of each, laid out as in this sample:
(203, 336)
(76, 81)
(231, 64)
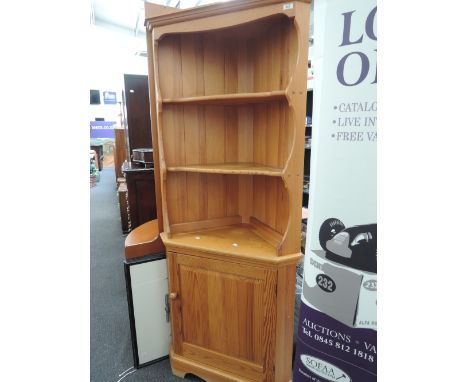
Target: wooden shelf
(229, 168)
(228, 99)
(242, 240)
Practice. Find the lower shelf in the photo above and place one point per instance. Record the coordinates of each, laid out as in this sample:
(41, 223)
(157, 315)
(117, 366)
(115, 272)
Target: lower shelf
(236, 239)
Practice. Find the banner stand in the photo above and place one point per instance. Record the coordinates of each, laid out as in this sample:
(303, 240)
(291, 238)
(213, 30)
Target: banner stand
(337, 328)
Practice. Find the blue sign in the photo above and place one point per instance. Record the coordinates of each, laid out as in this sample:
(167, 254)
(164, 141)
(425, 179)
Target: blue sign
(110, 98)
(102, 129)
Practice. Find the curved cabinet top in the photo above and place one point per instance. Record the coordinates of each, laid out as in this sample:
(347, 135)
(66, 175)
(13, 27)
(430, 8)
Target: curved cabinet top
(213, 16)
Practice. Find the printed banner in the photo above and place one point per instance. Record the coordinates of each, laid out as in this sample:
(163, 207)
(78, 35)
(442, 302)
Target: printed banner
(337, 334)
(102, 129)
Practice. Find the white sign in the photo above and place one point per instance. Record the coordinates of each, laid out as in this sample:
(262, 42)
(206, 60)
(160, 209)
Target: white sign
(337, 331)
(341, 247)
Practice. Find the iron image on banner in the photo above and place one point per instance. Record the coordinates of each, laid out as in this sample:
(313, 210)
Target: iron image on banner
(337, 333)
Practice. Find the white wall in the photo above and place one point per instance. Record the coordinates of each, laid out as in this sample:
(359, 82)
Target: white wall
(112, 53)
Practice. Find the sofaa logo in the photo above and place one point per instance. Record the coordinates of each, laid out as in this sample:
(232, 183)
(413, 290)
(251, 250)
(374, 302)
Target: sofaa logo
(324, 369)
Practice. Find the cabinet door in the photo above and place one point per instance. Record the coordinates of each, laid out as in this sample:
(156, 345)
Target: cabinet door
(224, 315)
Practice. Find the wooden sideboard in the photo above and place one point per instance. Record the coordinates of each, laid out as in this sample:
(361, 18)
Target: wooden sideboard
(140, 194)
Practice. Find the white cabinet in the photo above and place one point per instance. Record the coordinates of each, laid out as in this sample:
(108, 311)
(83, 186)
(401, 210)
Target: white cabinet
(147, 291)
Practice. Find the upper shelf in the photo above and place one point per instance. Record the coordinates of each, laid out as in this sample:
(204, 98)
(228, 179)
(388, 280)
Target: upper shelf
(229, 168)
(228, 99)
(252, 62)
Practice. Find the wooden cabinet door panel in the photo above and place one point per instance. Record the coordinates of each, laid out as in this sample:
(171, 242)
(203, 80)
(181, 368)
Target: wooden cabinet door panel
(227, 314)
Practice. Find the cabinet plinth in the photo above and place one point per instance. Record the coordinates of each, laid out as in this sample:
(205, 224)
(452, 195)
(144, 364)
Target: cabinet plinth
(228, 88)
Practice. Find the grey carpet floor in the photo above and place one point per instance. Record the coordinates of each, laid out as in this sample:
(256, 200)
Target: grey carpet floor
(111, 349)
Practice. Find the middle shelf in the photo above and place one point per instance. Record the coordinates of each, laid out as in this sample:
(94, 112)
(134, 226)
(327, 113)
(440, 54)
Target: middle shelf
(258, 137)
(229, 168)
(228, 99)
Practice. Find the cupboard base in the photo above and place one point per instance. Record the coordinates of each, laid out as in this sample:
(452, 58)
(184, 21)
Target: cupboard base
(181, 366)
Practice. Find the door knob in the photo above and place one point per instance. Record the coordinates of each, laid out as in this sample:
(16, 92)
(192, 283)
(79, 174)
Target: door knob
(173, 295)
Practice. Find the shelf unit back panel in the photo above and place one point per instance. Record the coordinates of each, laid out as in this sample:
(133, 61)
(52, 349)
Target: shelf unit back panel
(254, 57)
(194, 197)
(260, 133)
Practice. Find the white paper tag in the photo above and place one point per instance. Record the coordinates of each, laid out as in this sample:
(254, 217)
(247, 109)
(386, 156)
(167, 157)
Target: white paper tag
(288, 6)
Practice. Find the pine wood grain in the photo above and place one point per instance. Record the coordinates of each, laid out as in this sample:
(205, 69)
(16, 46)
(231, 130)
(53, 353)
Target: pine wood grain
(229, 168)
(154, 131)
(237, 239)
(284, 321)
(183, 365)
(175, 306)
(228, 99)
(228, 317)
(264, 260)
(230, 86)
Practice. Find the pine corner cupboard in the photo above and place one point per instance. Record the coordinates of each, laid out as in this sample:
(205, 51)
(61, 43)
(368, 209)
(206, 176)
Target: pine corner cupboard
(228, 98)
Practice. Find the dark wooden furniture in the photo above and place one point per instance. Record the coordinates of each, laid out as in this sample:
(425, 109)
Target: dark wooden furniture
(138, 112)
(140, 180)
(143, 156)
(140, 194)
(120, 152)
(124, 210)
